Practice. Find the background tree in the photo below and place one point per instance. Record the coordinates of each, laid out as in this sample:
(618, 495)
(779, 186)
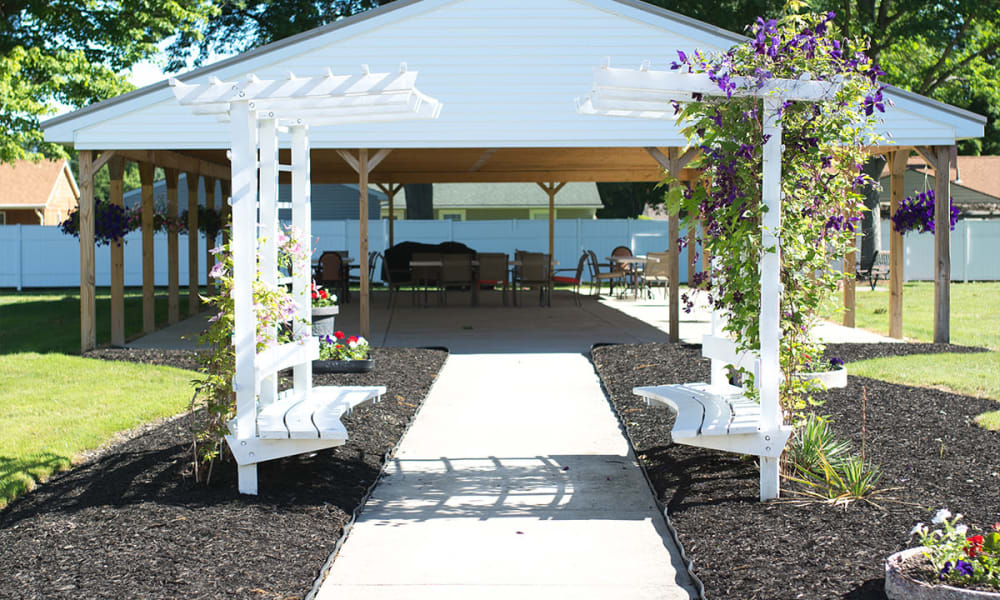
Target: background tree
(73, 53)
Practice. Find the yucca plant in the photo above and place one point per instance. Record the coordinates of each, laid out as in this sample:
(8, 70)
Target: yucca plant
(814, 442)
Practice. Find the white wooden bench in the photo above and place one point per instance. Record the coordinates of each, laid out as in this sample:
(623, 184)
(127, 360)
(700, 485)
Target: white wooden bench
(718, 415)
(298, 422)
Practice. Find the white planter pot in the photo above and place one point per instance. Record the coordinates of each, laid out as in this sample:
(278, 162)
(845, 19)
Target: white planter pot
(836, 378)
(322, 320)
(899, 586)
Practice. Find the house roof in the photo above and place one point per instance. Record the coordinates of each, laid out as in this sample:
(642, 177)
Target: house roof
(975, 181)
(509, 195)
(27, 184)
(507, 74)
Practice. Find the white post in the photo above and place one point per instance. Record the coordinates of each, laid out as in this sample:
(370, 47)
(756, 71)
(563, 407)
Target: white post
(770, 293)
(244, 249)
(20, 258)
(302, 221)
(268, 230)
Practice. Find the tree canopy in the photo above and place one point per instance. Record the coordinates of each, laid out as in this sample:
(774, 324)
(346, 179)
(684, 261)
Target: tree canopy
(73, 53)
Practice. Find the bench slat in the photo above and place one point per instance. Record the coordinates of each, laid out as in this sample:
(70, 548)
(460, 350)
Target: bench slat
(331, 403)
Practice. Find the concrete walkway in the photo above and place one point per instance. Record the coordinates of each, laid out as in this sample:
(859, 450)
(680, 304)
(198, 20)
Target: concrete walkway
(514, 482)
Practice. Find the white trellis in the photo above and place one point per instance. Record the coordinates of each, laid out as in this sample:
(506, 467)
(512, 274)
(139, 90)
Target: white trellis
(270, 425)
(647, 94)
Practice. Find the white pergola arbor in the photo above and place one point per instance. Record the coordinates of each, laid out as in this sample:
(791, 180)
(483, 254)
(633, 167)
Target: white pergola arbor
(645, 94)
(260, 110)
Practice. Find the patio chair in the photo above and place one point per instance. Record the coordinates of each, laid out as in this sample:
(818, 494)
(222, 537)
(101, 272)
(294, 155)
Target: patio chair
(657, 272)
(426, 277)
(373, 257)
(575, 279)
(493, 271)
(535, 272)
(612, 275)
(456, 271)
(330, 273)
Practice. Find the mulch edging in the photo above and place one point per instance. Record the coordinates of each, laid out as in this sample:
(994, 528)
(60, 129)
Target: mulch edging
(130, 522)
(930, 451)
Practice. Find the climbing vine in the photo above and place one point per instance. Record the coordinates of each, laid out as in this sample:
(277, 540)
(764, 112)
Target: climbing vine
(824, 148)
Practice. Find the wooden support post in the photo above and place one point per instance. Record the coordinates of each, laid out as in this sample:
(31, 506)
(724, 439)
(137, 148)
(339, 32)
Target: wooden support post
(363, 259)
(942, 244)
(551, 189)
(194, 302)
(173, 269)
(850, 282)
(225, 208)
(706, 262)
(209, 241)
(673, 227)
(116, 195)
(391, 190)
(148, 266)
(88, 303)
(692, 247)
(897, 169)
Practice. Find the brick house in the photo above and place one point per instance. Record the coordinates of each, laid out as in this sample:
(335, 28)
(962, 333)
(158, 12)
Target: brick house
(41, 193)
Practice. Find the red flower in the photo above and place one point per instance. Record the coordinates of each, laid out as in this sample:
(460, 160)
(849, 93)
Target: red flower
(975, 546)
(315, 295)
(323, 294)
(353, 338)
(339, 335)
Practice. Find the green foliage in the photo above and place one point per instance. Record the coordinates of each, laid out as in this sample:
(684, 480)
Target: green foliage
(825, 147)
(949, 51)
(812, 443)
(240, 25)
(73, 53)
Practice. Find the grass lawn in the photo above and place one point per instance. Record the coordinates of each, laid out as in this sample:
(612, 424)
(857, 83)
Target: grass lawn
(975, 321)
(49, 320)
(975, 312)
(53, 406)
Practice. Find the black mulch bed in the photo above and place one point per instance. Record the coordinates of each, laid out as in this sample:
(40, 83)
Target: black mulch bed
(130, 523)
(929, 449)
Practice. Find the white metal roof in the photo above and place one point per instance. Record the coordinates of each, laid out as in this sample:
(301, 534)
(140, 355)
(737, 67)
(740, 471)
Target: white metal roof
(506, 72)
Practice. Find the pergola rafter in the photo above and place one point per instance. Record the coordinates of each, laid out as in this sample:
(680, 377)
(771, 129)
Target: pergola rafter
(259, 111)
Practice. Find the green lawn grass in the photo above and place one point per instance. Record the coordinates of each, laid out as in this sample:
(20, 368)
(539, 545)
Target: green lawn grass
(975, 312)
(53, 406)
(49, 320)
(975, 321)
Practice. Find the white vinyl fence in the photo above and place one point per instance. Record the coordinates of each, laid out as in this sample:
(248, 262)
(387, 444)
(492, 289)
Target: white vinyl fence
(38, 257)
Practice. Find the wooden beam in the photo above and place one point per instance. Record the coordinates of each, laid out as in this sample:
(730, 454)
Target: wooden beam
(378, 158)
(897, 170)
(102, 160)
(176, 160)
(209, 242)
(116, 195)
(355, 164)
(351, 160)
(660, 158)
(551, 189)
(692, 245)
(390, 190)
(483, 159)
(194, 301)
(673, 228)
(706, 262)
(88, 304)
(173, 268)
(928, 154)
(850, 282)
(148, 266)
(363, 171)
(942, 245)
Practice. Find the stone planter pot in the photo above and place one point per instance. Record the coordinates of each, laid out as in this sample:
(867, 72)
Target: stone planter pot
(322, 318)
(899, 586)
(344, 366)
(836, 378)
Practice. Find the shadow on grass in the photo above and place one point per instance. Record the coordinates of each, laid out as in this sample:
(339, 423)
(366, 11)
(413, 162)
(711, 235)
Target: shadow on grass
(154, 469)
(19, 474)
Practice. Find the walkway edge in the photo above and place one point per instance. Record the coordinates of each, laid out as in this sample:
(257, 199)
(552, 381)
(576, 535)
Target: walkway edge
(328, 564)
(688, 563)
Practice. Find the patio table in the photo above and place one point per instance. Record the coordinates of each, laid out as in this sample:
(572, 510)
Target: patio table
(632, 260)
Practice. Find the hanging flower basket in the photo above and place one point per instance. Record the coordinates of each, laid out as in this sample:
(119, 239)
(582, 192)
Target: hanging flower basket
(322, 320)
(900, 586)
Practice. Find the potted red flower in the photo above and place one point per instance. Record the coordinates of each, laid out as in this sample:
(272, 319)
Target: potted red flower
(339, 353)
(324, 310)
